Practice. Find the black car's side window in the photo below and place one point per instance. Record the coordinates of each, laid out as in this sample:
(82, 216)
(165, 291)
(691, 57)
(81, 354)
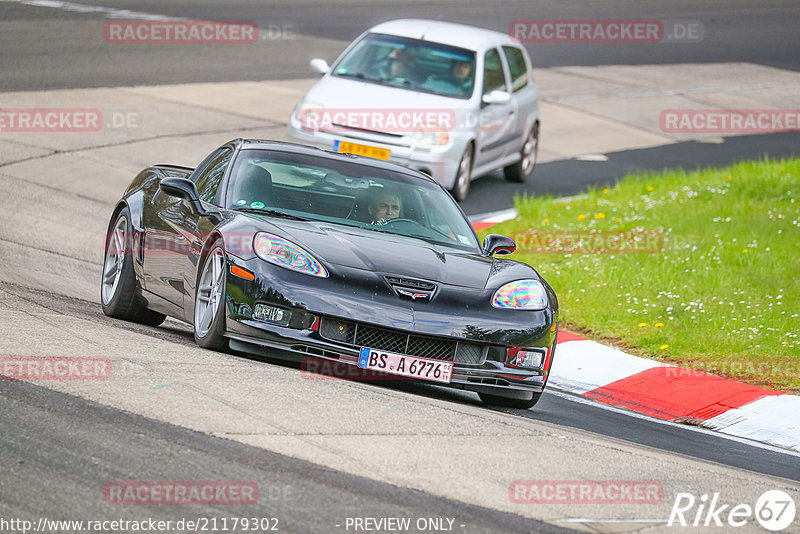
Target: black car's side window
(209, 178)
(517, 66)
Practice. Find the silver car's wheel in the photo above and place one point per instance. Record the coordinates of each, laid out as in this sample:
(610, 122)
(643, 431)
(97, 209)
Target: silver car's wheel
(523, 169)
(115, 257)
(463, 176)
(210, 291)
(530, 151)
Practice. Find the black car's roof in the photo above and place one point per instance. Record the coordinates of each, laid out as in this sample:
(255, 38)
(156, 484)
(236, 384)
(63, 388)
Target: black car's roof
(294, 148)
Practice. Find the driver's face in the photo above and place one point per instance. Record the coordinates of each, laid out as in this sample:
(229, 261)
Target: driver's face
(385, 207)
(397, 68)
(462, 69)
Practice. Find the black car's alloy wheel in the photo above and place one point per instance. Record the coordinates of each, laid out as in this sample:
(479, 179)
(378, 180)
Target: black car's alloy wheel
(209, 300)
(118, 293)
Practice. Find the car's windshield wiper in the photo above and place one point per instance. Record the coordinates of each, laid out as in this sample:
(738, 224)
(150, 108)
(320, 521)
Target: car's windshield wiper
(272, 213)
(359, 75)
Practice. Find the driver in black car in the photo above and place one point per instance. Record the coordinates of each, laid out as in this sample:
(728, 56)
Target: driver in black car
(384, 207)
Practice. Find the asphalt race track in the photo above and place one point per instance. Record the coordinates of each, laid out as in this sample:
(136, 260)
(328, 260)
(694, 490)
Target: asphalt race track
(322, 452)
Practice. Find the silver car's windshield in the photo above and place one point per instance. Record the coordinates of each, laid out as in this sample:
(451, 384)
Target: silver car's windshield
(410, 64)
(287, 185)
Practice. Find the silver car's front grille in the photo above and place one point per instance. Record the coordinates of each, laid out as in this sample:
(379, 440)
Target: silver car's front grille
(363, 135)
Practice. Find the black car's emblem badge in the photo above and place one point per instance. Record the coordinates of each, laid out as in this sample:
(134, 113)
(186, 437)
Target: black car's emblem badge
(413, 295)
(412, 289)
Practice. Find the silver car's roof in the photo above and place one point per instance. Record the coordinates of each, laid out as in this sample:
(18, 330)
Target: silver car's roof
(448, 33)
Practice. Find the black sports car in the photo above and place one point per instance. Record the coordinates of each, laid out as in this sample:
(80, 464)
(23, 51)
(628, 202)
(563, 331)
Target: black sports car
(331, 256)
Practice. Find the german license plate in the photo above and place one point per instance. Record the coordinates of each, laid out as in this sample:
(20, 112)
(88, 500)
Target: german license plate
(410, 366)
(361, 150)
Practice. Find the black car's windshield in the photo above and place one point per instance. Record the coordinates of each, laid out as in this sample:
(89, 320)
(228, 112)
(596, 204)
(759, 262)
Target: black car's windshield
(410, 64)
(284, 184)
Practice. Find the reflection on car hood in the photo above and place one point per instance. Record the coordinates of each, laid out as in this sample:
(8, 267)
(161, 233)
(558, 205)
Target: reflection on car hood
(389, 253)
(349, 93)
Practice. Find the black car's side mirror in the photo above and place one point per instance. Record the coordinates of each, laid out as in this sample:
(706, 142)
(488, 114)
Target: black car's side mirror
(179, 187)
(501, 245)
(182, 188)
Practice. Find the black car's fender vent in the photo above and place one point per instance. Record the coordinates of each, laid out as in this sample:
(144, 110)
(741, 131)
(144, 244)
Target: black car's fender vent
(359, 335)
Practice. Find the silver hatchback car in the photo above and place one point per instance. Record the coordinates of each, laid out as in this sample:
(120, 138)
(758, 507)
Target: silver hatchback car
(450, 100)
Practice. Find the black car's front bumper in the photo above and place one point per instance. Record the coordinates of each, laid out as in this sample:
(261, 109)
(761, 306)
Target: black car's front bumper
(459, 325)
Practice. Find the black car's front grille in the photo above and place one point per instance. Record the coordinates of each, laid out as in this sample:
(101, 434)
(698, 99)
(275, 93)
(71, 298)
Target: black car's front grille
(361, 335)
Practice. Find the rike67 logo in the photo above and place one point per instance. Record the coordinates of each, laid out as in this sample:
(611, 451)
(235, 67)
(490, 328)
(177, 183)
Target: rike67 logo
(774, 510)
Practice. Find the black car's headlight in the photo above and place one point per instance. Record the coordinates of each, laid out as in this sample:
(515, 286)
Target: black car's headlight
(281, 252)
(521, 295)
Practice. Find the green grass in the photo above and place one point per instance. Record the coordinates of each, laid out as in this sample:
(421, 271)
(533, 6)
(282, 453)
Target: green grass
(723, 296)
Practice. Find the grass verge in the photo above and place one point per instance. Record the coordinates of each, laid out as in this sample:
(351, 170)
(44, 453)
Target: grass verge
(700, 269)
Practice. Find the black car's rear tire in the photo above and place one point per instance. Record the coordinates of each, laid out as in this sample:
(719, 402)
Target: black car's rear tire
(507, 402)
(522, 170)
(209, 300)
(118, 285)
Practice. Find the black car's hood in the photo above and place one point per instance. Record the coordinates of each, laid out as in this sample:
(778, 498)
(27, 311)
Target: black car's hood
(390, 253)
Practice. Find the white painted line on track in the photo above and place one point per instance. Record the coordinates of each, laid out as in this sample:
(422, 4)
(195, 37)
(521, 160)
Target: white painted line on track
(566, 394)
(489, 217)
(109, 12)
(576, 365)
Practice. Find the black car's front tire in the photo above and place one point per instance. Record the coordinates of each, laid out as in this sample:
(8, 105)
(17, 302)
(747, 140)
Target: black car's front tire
(209, 300)
(118, 293)
(508, 402)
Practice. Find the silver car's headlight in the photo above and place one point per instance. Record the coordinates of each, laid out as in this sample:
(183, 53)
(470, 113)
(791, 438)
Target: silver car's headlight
(281, 252)
(430, 138)
(521, 295)
(309, 115)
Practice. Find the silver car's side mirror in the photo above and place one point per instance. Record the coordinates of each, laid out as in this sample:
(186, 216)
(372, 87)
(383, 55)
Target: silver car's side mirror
(496, 97)
(319, 65)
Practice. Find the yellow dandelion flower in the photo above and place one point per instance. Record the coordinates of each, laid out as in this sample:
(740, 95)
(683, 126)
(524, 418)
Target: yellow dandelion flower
(600, 216)
(545, 221)
(650, 188)
(605, 191)
(659, 325)
(745, 251)
(618, 219)
(642, 325)
(581, 217)
(663, 347)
